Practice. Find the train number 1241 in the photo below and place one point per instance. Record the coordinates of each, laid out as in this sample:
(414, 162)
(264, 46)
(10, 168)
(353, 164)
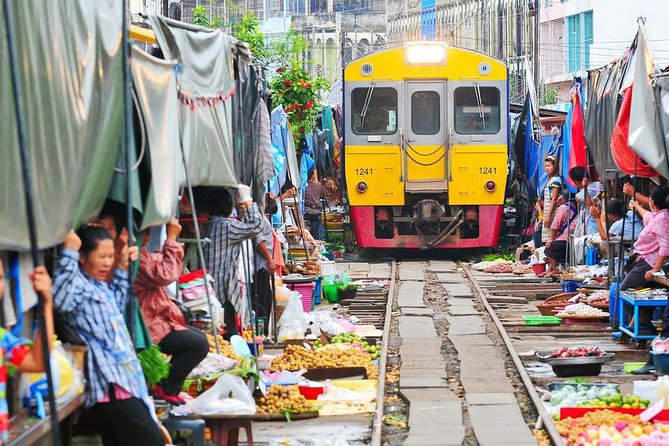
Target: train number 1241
(487, 170)
(361, 171)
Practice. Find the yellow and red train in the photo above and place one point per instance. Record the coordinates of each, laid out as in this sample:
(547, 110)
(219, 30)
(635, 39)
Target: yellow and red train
(426, 147)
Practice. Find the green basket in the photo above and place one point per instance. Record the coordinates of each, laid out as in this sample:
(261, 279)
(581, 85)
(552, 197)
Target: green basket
(542, 320)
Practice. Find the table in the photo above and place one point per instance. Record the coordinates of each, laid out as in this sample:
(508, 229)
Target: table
(629, 303)
(24, 430)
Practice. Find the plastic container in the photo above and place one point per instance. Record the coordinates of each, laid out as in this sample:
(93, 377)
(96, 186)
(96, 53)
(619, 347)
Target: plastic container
(661, 361)
(347, 294)
(539, 268)
(331, 293)
(614, 308)
(570, 286)
(590, 255)
(318, 291)
(311, 393)
(328, 267)
(542, 320)
(629, 367)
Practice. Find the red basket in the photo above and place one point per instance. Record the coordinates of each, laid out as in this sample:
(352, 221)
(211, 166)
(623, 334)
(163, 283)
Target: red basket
(577, 412)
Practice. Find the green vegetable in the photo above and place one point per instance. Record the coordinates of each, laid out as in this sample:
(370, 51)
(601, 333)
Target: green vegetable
(493, 257)
(154, 365)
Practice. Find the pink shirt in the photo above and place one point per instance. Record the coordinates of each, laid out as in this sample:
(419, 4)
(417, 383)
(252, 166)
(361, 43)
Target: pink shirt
(562, 216)
(653, 241)
(119, 394)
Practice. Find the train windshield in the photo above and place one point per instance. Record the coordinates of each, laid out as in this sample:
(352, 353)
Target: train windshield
(374, 110)
(477, 110)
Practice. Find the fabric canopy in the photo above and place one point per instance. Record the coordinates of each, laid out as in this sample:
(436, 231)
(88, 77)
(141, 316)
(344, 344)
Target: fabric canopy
(645, 135)
(156, 94)
(205, 84)
(71, 73)
(662, 99)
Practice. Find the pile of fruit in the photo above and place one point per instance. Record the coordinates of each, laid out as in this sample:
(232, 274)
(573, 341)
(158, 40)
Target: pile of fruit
(618, 400)
(282, 399)
(578, 352)
(608, 428)
(582, 310)
(355, 341)
(296, 357)
(573, 396)
(499, 268)
(224, 346)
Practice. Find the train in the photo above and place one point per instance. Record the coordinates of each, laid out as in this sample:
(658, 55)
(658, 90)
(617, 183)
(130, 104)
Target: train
(426, 138)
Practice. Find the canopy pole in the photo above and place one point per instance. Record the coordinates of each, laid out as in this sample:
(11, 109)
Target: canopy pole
(200, 252)
(127, 125)
(29, 203)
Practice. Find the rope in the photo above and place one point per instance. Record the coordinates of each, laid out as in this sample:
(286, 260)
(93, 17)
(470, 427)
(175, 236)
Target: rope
(405, 142)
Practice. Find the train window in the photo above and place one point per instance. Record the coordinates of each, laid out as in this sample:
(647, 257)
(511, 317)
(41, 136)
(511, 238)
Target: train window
(477, 110)
(425, 115)
(374, 110)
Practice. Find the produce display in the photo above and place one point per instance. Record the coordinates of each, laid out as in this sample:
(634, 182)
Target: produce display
(582, 310)
(499, 268)
(599, 297)
(573, 396)
(355, 341)
(306, 268)
(617, 400)
(577, 352)
(285, 399)
(608, 428)
(296, 357)
(224, 346)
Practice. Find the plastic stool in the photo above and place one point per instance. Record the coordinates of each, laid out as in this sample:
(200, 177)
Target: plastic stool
(188, 432)
(225, 432)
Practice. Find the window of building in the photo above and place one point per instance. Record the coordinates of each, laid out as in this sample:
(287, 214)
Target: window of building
(579, 41)
(477, 110)
(374, 110)
(425, 113)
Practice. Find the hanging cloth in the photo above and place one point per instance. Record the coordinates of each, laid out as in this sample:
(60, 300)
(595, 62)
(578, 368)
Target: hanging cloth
(577, 151)
(622, 154)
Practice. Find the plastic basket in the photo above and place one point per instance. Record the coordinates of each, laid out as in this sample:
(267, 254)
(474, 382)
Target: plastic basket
(570, 286)
(542, 320)
(331, 293)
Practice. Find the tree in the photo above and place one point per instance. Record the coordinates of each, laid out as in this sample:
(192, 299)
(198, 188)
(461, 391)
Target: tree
(247, 30)
(201, 16)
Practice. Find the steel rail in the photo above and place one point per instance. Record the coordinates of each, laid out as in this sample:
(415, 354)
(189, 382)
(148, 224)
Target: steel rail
(544, 417)
(377, 423)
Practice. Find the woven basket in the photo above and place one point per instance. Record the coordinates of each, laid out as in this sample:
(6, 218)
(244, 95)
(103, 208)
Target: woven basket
(559, 300)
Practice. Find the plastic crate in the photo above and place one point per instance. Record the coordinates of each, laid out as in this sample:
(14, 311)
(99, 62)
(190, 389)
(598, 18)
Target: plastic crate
(542, 320)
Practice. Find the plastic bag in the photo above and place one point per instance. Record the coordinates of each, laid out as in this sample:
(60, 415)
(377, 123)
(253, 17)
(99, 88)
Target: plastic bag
(230, 395)
(292, 323)
(653, 390)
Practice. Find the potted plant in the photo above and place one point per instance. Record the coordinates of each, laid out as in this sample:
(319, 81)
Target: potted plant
(347, 291)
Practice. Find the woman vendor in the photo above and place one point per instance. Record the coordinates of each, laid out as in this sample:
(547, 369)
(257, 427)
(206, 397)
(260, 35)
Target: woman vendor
(550, 194)
(16, 352)
(165, 321)
(116, 392)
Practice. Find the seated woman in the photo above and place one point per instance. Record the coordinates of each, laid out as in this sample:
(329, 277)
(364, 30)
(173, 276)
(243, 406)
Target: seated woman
(116, 392)
(562, 225)
(165, 321)
(652, 247)
(17, 353)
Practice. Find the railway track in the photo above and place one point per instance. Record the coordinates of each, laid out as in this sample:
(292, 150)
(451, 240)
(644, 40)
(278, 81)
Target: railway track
(507, 298)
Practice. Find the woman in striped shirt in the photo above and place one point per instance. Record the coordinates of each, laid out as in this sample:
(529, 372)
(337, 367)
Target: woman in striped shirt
(116, 392)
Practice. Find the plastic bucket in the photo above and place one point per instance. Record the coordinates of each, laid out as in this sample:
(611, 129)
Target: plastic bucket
(331, 293)
(539, 268)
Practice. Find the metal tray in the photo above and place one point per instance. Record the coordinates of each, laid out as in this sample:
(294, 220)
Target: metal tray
(543, 355)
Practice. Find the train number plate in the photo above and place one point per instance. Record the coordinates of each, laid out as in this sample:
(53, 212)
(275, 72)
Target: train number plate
(488, 170)
(363, 171)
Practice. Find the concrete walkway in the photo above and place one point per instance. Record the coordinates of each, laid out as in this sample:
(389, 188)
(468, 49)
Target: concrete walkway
(436, 414)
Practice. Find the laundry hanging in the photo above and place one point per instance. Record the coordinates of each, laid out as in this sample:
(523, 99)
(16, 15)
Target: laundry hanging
(577, 148)
(73, 110)
(155, 91)
(205, 84)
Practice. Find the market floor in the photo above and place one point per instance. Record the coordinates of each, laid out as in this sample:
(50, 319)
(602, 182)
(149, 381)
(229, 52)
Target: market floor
(472, 401)
(353, 429)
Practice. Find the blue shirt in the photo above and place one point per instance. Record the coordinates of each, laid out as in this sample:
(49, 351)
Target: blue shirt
(94, 312)
(632, 231)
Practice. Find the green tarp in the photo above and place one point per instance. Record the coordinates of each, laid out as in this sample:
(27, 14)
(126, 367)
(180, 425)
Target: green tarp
(71, 73)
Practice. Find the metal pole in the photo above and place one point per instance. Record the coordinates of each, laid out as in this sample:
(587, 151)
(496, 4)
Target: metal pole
(127, 125)
(200, 252)
(535, 47)
(32, 230)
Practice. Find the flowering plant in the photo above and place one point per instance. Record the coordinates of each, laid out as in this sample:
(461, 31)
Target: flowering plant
(299, 94)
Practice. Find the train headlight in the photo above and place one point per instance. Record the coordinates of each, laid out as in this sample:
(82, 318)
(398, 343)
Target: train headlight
(426, 53)
(490, 186)
(361, 187)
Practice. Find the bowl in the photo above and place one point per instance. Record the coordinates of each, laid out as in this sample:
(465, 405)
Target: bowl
(586, 366)
(311, 393)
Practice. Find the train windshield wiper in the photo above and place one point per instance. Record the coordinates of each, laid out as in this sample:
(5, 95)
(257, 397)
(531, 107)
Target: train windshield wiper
(365, 106)
(479, 103)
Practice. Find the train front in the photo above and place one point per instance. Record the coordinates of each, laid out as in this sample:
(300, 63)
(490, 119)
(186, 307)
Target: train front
(426, 147)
